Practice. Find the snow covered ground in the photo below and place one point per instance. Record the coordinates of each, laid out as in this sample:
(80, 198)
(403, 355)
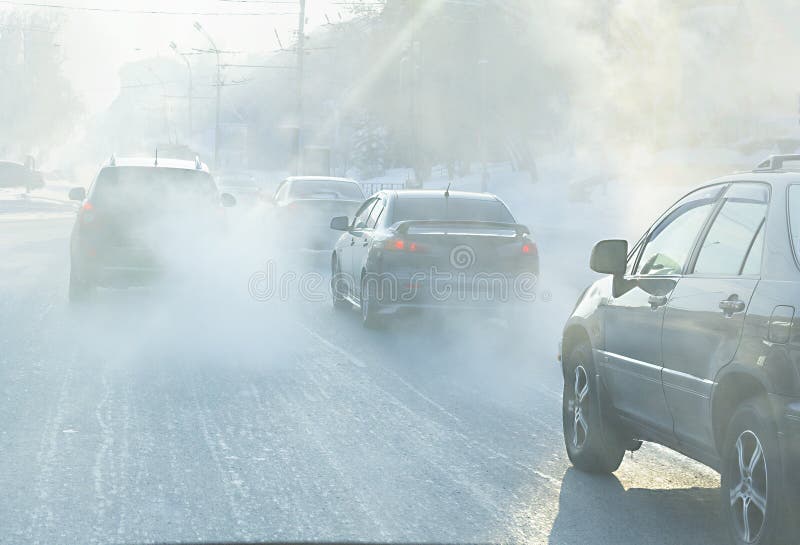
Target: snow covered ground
(49, 201)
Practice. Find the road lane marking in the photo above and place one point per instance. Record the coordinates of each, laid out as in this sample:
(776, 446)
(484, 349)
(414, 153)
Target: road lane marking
(341, 351)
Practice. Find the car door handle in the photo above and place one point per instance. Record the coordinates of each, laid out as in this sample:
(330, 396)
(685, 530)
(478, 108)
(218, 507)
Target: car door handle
(731, 306)
(657, 301)
(365, 243)
(352, 241)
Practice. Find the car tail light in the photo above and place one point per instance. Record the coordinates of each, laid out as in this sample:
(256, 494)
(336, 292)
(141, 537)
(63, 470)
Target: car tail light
(402, 245)
(530, 248)
(87, 212)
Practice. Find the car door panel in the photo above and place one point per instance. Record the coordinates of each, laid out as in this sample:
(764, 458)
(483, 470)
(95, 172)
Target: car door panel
(704, 318)
(359, 241)
(632, 359)
(698, 339)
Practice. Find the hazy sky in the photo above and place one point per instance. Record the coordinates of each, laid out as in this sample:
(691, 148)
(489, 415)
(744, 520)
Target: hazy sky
(96, 44)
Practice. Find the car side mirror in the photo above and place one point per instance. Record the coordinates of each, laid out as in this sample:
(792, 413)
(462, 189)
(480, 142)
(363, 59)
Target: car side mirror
(609, 257)
(77, 194)
(227, 200)
(340, 223)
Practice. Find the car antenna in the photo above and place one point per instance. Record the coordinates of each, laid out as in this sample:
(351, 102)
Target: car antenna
(447, 202)
(155, 163)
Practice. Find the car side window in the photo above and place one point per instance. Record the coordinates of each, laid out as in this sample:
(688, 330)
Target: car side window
(632, 258)
(377, 210)
(734, 236)
(794, 219)
(280, 194)
(670, 242)
(360, 219)
(752, 264)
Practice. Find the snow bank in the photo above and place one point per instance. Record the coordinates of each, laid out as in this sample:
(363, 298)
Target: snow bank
(51, 200)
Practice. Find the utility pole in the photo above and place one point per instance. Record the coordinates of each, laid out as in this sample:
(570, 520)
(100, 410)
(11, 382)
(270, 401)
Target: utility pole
(202, 31)
(483, 66)
(165, 104)
(301, 37)
(414, 80)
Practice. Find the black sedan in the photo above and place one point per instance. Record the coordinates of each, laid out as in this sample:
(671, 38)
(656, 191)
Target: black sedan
(432, 249)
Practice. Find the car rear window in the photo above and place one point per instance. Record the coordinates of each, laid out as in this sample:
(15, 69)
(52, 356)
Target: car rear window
(453, 208)
(141, 185)
(325, 189)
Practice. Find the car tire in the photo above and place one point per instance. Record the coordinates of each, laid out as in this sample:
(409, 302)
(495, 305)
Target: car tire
(369, 315)
(754, 501)
(592, 435)
(339, 301)
(80, 290)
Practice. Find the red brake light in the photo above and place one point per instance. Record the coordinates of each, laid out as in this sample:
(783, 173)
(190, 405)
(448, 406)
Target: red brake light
(530, 248)
(87, 212)
(399, 244)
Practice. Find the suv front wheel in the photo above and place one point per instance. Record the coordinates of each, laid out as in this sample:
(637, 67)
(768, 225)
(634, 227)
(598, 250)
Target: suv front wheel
(753, 498)
(593, 438)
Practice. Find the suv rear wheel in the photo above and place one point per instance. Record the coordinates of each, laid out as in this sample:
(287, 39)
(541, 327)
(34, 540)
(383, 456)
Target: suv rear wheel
(79, 288)
(592, 436)
(754, 503)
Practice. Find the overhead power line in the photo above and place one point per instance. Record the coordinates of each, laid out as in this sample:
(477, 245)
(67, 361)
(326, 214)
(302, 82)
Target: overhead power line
(227, 65)
(144, 11)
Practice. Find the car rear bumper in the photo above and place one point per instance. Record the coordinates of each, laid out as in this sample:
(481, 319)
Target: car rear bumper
(120, 273)
(461, 300)
(125, 276)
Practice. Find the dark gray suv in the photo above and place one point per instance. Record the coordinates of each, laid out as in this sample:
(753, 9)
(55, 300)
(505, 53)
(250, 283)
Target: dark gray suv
(692, 342)
(125, 230)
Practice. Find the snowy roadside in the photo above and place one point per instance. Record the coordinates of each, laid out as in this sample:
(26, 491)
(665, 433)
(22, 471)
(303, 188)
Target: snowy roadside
(49, 201)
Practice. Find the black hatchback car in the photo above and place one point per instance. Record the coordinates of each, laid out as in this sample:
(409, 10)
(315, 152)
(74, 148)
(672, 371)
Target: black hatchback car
(693, 342)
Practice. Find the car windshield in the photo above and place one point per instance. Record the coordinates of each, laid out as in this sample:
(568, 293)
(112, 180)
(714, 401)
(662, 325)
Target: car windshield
(453, 208)
(450, 272)
(325, 189)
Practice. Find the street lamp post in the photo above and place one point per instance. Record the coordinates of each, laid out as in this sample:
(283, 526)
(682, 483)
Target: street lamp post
(165, 105)
(174, 47)
(202, 31)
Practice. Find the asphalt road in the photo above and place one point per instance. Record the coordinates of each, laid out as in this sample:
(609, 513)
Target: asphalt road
(198, 413)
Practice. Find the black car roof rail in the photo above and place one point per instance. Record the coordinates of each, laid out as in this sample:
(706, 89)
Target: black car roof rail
(775, 162)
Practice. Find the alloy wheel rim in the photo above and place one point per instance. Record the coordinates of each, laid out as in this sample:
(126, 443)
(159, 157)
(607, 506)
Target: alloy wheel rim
(580, 391)
(336, 292)
(748, 494)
